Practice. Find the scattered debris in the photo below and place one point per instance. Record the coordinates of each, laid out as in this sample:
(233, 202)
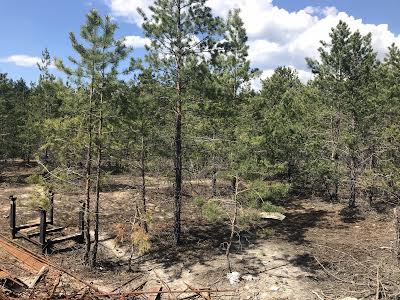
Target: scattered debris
(274, 288)
(233, 277)
(43, 271)
(249, 277)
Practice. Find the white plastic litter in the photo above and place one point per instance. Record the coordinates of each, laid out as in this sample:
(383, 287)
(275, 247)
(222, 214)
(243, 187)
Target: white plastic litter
(249, 277)
(233, 277)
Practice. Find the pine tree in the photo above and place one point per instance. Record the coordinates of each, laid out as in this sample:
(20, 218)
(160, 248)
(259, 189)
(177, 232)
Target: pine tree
(387, 163)
(279, 112)
(347, 68)
(6, 94)
(224, 87)
(178, 30)
(45, 100)
(96, 68)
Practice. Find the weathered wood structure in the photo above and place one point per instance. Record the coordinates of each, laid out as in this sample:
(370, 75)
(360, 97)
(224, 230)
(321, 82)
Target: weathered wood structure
(39, 231)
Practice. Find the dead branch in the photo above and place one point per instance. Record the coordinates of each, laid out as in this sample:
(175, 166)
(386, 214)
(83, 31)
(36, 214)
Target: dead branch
(206, 297)
(57, 282)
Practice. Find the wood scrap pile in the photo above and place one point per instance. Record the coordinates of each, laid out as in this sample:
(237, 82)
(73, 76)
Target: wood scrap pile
(45, 280)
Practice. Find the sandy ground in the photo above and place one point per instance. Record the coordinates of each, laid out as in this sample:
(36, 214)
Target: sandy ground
(280, 266)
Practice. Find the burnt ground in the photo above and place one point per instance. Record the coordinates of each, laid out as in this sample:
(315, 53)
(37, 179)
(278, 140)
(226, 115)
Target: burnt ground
(319, 251)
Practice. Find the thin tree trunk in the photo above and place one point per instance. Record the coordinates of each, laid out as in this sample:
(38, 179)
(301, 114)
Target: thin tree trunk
(353, 181)
(178, 173)
(214, 174)
(373, 163)
(233, 184)
(233, 227)
(88, 167)
(214, 181)
(93, 257)
(396, 246)
(335, 131)
(353, 170)
(143, 173)
(178, 133)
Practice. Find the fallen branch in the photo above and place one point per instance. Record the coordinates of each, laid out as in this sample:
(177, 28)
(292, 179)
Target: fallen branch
(151, 292)
(129, 281)
(336, 277)
(318, 296)
(163, 282)
(57, 282)
(206, 297)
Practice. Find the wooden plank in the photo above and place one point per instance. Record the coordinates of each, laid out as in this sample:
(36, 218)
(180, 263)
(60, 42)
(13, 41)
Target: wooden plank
(64, 238)
(27, 238)
(43, 271)
(29, 225)
(36, 233)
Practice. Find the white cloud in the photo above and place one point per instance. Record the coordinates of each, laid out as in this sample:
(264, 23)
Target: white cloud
(136, 41)
(278, 37)
(127, 9)
(21, 60)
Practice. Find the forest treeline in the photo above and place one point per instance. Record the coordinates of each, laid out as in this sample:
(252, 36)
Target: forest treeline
(188, 108)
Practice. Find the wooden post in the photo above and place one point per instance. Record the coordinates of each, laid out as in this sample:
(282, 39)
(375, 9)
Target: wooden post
(51, 210)
(42, 235)
(13, 216)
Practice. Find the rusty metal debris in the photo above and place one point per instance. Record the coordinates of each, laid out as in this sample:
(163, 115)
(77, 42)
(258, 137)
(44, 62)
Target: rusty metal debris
(47, 282)
(26, 258)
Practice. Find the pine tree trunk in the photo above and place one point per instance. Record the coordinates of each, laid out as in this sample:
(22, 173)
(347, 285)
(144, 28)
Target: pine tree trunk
(233, 184)
(93, 257)
(353, 169)
(335, 131)
(178, 131)
(353, 190)
(214, 181)
(143, 173)
(396, 246)
(178, 172)
(88, 167)
(214, 176)
(373, 163)
(233, 227)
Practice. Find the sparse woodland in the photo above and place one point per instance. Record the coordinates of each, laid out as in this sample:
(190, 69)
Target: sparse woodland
(189, 112)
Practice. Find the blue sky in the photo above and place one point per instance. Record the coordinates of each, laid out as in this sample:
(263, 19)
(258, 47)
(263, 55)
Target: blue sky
(371, 11)
(283, 36)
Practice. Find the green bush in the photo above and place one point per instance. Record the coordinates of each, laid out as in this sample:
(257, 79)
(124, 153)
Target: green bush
(247, 218)
(269, 207)
(35, 179)
(261, 191)
(199, 201)
(39, 198)
(211, 211)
